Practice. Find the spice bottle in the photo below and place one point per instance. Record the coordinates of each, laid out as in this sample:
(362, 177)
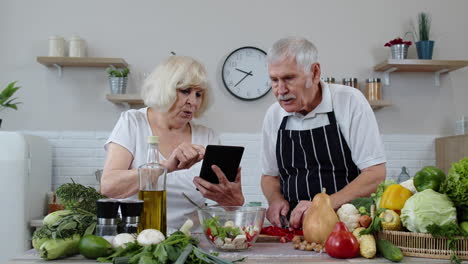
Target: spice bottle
(373, 89)
(353, 82)
(329, 80)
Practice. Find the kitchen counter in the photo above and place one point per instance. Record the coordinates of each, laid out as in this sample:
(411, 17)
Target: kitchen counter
(262, 252)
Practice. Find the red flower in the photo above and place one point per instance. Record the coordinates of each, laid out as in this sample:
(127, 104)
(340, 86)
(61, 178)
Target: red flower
(397, 41)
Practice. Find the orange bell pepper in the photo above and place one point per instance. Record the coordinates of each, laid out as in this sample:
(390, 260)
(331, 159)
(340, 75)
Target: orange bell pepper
(394, 197)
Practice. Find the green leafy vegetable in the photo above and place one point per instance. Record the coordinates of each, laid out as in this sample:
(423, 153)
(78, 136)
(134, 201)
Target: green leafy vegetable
(76, 196)
(364, 202)
(220, 231)
(453, 233)
(177, 248)
(426, 208)
(456, 183)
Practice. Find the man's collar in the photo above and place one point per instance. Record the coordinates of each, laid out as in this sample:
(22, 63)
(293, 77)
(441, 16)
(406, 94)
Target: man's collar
(324, 106)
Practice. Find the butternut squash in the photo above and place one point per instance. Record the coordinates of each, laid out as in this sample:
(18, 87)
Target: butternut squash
(320, 219)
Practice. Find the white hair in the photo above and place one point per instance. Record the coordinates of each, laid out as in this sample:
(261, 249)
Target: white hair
(299, 48)
(176, 72)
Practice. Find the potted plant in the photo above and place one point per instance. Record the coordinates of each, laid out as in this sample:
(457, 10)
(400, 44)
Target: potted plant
(5, 98)
(118, 78)
(399, 48)
(424, 46)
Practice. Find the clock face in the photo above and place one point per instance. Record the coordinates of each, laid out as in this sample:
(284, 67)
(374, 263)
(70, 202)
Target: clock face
(245, 73)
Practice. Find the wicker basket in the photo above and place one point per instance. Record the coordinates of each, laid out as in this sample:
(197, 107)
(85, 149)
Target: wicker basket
(424, 245)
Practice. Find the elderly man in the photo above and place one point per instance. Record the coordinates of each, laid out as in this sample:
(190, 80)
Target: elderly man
(316, 136)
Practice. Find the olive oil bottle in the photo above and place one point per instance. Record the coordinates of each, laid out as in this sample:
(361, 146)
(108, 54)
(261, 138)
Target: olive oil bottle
(152, 191)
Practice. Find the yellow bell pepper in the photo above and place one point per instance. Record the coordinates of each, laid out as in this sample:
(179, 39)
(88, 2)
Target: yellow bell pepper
(394, 197)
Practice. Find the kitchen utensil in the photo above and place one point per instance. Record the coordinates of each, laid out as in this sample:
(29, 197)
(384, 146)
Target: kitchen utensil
(192, 202)
(284, 221)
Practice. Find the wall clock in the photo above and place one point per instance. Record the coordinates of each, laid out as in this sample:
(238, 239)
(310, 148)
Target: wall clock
(245, 73)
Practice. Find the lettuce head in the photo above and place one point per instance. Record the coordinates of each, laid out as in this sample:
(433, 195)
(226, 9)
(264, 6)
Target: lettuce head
(426, 208)
(456, 183)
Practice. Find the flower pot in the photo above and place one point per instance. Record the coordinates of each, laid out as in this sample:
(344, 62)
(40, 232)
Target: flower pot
(399, 51)
(424, 49)
(118, 85)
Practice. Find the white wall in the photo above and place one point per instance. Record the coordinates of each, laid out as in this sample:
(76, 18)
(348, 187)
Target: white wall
(349, 34)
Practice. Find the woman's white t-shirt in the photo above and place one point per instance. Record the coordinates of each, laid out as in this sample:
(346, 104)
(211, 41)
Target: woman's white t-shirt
(132, 131)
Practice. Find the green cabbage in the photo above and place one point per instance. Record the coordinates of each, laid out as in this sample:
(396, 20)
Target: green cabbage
(426, 208)
(456, 183)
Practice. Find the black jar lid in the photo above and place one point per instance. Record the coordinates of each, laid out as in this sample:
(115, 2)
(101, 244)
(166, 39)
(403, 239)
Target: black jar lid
(131, 207)
(107, 208)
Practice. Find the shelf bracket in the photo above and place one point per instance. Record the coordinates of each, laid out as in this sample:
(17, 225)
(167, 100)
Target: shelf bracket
(387, 75)
(59, 69)
(437, 76)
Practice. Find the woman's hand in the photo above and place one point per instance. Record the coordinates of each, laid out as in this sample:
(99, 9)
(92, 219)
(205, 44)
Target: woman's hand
(225, 193)
(184, 156)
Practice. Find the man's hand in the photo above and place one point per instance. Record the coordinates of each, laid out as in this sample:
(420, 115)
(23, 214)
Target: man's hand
(184, 156)
(298, 214)
(225, 193)
(275, 209)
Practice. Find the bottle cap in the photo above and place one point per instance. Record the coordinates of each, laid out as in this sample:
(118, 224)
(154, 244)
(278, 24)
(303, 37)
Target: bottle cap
(153, 139)
(107, 208)
(131, 207)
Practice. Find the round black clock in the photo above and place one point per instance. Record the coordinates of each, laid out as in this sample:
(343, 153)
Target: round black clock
(245, 73)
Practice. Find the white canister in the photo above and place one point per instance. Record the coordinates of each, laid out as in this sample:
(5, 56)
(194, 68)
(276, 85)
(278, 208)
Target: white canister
(77, 47)
(56, 46)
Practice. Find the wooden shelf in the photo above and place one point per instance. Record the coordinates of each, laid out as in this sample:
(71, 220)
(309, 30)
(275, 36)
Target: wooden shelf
(376, 105)
(82, 61)
(421, 65)
(434, 66)
(131, 99)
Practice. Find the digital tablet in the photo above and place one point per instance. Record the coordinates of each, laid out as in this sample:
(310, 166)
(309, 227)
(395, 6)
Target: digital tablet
(227, 158)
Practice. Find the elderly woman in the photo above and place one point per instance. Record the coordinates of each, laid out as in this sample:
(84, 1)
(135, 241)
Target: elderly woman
(175, 92)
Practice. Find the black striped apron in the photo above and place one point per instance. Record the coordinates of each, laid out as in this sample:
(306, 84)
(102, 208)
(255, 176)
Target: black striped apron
(309, 160)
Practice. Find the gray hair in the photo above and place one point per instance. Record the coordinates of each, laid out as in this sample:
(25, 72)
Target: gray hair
(176, 72)
(299, 48)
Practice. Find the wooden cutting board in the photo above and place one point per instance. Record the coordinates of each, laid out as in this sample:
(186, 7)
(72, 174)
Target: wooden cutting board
(268, 238)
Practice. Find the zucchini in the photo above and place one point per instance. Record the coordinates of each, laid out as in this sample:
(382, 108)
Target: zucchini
(389, 251)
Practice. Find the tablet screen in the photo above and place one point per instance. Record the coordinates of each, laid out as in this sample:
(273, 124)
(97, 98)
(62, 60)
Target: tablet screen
(227, 158)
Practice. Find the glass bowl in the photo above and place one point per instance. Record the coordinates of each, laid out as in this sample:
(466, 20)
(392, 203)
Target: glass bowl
(231, 228)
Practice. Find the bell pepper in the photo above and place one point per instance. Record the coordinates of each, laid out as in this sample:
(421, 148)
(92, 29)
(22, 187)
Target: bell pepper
(428, 178)
(394, 197)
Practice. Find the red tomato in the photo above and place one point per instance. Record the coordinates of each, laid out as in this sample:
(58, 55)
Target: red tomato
(341, 243)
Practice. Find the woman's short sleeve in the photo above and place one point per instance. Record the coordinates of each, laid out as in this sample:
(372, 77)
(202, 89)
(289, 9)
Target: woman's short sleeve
(124, 133)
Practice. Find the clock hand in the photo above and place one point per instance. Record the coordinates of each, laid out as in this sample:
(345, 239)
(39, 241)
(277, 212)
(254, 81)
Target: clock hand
(246, 74)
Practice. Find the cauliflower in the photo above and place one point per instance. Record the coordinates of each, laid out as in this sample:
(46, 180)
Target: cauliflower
(349, 215)
(408, 184)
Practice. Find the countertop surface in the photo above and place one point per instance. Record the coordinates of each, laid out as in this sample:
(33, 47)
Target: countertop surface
(261, 252)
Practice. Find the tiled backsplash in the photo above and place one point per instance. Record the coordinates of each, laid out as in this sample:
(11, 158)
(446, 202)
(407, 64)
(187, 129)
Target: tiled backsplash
(78, 155)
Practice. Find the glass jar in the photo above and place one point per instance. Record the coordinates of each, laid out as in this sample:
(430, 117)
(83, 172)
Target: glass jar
(373, 89)
(329, 80)
(353, 82)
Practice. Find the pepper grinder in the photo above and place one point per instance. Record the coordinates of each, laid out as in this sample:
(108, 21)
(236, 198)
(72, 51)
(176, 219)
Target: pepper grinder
(107, 217)
(131, 212)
